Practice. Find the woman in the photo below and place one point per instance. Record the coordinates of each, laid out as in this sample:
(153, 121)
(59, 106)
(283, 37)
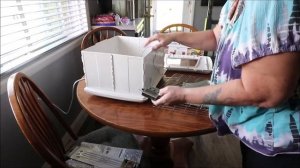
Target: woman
(255, 91)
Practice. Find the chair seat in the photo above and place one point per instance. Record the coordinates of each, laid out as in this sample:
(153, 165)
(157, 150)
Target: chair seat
(111, 137)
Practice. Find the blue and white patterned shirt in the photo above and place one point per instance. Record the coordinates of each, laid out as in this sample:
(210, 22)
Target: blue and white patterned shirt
(257, 29)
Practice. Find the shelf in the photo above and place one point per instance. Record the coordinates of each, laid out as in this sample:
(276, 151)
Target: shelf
(136, 26)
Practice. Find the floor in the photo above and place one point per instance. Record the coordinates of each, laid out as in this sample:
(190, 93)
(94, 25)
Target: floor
(213, 151)
(208, 151)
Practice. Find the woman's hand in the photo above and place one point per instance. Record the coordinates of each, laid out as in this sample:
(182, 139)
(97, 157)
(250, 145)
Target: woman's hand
(170, 95)
(163, 40)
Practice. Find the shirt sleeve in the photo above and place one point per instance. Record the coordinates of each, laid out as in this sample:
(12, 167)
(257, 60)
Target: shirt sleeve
(266, 28)
(224, 13)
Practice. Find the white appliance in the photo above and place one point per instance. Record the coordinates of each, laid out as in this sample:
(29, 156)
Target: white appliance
(182, 58)
(121, 66)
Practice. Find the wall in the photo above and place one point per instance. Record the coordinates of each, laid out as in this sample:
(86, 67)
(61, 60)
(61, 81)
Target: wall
(120, 7)
(200, 14)
(94, 7)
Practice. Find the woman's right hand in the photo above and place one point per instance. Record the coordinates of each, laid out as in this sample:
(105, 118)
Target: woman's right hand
(163, 40)
(170, 95)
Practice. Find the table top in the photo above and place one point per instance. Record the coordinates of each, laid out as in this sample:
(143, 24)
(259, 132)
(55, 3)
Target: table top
(145, 118)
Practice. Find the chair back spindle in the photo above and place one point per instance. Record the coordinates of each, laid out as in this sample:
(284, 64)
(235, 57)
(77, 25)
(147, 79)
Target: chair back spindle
(101, 33)
(29, 106)
(178, 27)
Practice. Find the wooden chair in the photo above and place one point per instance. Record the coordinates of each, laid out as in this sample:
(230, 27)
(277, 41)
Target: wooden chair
(101, 33)
(32, 110)
(179, 27)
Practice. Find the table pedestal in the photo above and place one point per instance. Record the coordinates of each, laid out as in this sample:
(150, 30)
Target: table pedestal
(166, 153)
(179, 149)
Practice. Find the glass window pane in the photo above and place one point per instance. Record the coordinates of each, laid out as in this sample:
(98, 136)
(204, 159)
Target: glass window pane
(29, 28)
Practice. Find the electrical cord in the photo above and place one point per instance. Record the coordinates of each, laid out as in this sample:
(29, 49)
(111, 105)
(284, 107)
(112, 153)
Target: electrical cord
(72, 99)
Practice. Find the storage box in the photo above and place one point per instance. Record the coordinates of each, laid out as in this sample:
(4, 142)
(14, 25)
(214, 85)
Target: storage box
(121, 66)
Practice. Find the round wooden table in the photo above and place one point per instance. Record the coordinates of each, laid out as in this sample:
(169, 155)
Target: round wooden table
(159, 123)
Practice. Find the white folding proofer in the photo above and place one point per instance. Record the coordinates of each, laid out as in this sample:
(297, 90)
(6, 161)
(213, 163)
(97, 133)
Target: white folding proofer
(120, 67)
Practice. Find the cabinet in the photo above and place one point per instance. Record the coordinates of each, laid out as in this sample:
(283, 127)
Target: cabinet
(135, 27)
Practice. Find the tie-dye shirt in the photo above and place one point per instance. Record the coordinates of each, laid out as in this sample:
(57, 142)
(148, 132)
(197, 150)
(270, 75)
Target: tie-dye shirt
(257, 29)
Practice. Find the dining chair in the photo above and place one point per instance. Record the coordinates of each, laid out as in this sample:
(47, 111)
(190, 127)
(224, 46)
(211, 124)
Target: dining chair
(98, 34)
(178, 27)
(34, 113)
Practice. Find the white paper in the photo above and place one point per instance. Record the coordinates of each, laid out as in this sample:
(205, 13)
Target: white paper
(103, 156)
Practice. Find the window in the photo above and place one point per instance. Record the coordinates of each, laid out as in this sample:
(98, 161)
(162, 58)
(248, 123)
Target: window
(168, 12)
(171, 12)
(32, 27)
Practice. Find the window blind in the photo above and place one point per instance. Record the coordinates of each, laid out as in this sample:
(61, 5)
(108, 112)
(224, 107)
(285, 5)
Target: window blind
(32, 27)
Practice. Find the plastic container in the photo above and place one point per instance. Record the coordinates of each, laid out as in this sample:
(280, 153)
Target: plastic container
(120, 67)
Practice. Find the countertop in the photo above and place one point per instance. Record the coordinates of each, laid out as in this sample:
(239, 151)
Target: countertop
(135, 25)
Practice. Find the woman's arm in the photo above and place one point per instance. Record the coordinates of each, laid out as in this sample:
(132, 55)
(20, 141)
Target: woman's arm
(264, 82)
(204, 40)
